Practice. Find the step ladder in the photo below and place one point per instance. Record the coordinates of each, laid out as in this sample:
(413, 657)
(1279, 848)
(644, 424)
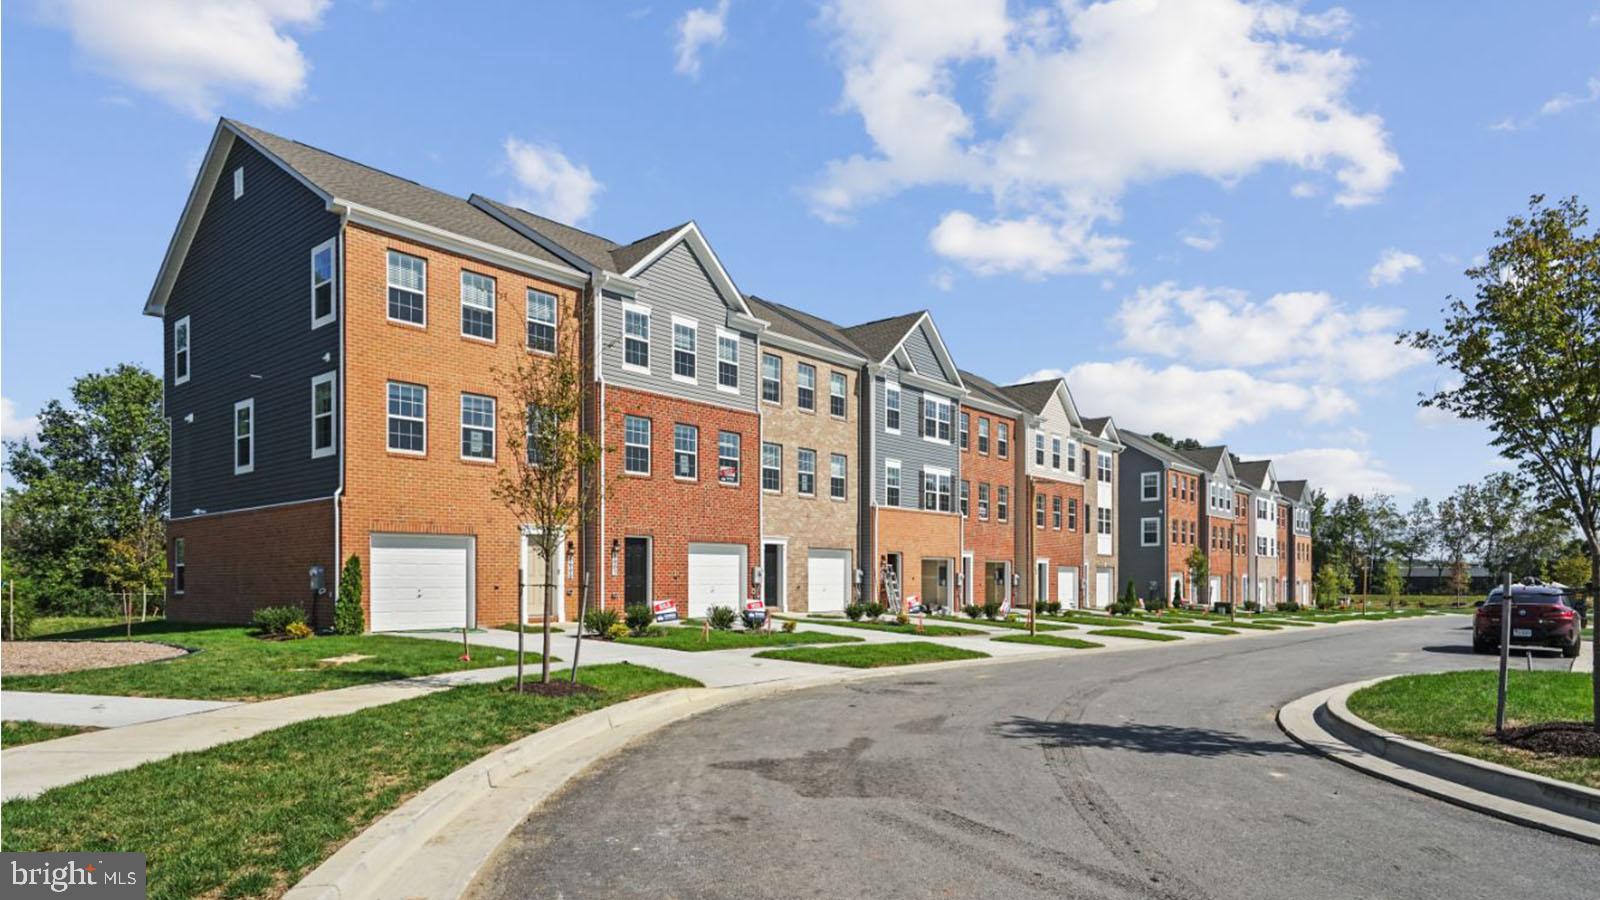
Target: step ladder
(891, 587)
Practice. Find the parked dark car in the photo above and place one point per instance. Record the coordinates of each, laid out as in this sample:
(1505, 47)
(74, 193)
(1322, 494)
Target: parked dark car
(1541, 616)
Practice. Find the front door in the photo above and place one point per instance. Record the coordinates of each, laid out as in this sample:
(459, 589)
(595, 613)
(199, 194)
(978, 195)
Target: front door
(636, 571)
(772, 574)
(935, 583)
(1102, 588)
(995, 583)
(1067, 586)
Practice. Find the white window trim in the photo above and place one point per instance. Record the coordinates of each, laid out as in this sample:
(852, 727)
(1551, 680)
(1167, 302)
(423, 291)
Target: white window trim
(333, 283)
(893, 465)
(494, 315)
(328, 378)
(1148, 480)
(387, 284)
(527, 316)
(649, 354)
(930, 400)
(938, 472)
(890, 387)
(799, 471)
(778, 468)
(693, 454)
(233, 446)
(693, 351)
(845, 478)
(845, 396)
(800, 367)
(1002, 446)
(762, 377)
(734, 388)
(388, 415)
(1072, 457)
(461, 425)
(1055, 453)
(648, 445)
(188, 350)
(238, 182)
(1143, 539)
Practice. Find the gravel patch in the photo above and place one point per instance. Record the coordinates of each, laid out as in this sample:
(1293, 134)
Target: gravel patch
(50, 657)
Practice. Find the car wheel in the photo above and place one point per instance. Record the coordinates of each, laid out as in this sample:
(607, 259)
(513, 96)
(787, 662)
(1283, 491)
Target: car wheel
(1570, 651)
(1481, 646)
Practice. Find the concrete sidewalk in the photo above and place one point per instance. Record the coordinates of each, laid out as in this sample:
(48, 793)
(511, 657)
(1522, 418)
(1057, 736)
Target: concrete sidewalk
(95, 710)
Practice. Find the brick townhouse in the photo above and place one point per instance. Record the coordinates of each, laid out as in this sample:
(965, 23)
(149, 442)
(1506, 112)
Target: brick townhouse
(1302, 577)
(991, 469)
(1261, 485)
(1053, 492)
(1160, 492)
(810, 380)
(1218, 535)
(1102, 447)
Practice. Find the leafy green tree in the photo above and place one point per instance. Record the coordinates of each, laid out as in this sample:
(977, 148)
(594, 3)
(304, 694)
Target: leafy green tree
(1199, 565)
(1571, 569)
(1389, 580)
(347, 615)
(1332, 582)
(95, 475)
(1418, 535)
(1456, 534)
(1526, 350)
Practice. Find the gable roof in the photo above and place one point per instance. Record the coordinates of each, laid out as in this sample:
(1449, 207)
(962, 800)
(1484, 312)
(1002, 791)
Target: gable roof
(986, 391)
(1033, 396)
(1294, 490)
(1208, 458)
(1253, 472)
(1096, 424)
(592, 250)
(786, 321)
(880, 337)
(1151, 447)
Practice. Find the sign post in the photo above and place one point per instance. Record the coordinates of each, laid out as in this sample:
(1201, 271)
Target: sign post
(1505, 654)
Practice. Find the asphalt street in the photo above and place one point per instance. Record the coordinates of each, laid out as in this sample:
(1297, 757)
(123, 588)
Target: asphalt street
(1157, 773)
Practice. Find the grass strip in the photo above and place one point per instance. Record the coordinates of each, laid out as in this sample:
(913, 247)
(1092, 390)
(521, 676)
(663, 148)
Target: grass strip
(250, 818)
(1090, 619)
(692, 640)
(1255, 626)
(528, 629)
(1295, 623)
(1198, 629)
(1455, 711)
(873, 656)
(896, 628)
(1136, 634)
(15, 734)
(1049, 640)
(1014, 624)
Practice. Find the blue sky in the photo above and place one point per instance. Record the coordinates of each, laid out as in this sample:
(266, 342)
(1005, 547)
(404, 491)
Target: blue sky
(1213, 216)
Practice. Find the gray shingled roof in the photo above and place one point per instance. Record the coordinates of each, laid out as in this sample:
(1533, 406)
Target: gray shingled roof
(1096, 425)
(628, 256)
(1032, 396)
(987, 390)
(879, 338)
(1294, 490)
(1253, 473)
(599, 252)
(1208, 458)
(1152, 447)
(787, 320)
(392, 194)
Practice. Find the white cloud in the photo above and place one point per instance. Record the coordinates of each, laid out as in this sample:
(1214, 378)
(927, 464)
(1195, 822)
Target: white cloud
(1205, 235)
(1392, 265)
(1564, 101)
(1079, 102)
(697, 29)
(193, 53)
(13, 428)
(1299, 333)
(1338, 470)
(943, 279)
(550, 184)
(1304, 190)
(1205, 404)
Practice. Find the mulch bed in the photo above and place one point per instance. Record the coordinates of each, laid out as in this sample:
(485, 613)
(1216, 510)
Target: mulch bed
(561, 688)
(1557, 738)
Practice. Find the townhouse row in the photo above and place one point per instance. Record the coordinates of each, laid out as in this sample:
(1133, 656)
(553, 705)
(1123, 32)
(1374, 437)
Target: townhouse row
(335, 341)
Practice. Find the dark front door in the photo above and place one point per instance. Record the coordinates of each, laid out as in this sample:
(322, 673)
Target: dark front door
(771, 573)
(636, 571)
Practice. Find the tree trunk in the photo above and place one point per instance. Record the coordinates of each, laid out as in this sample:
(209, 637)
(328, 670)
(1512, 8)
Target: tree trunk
(1594, 606)
(583, 610)
(549, 591)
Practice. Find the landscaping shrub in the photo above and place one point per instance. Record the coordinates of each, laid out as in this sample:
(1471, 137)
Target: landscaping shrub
(277, 619)
(347, 615)
(972, 610)
(721, 618)
(1041, 607)
(1288, 606)
(639, 618)
(855, 611)
(298, 630)
(991, 609)
(616, 630)
(788, 626)
(1054, 607)
(874, 610)
(1248, 606)
(601, 621)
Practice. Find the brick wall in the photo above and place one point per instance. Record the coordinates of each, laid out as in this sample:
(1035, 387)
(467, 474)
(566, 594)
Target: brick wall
(1061, 546)
(673, 512)
(989, 540)
(235, 563)
(1183, 528)
(917, 535)
(437, 492)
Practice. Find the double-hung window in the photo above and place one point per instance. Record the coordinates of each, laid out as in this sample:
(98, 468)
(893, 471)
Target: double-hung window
(965, 430)
(1002, 440)
(1149, 532)
(838, 386)
(541, 321)
(771, 466)
(408, 418)
(936, 490)
(728, 457)
(838, 472)
(1038, 510)
(1055, 513)
(805, 386)
(771, 378)
(1103, 467)
(322, 414)
(322, 308)
(891, 408)
(983, 436)
(408, 288)
(636, 445)
(936, 419)
(1038, 448)
(891, 482)
(983, 501)
(805, 465)
(727, 361)
(635, 337)
(244, 437)
(1002, 503)
(1072, 513)
(963, 500)
(477, 427)
(1055, 451)
(685, 338)
(1103, 517)
(685, 451)
(477, 306)
(1072, 457)
(541, 434)
(180, 351)
(1150, 486)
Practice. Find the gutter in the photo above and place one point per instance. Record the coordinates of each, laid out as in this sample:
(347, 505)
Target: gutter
(338, 493)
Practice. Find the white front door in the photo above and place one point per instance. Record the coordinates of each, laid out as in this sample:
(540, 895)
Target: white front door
(1067, 586)
(1216, 590)
(421, 581)
(716, 577)
(1041, 580)
(535, 576)
(1102, 588)
(827, 580)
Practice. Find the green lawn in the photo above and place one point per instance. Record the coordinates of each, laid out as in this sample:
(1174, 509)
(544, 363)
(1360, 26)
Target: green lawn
(872, 656)
(1136, 634)
(1093, 619)
(15, 734)
(1021, 623)
(1049, 640)
(1253, 626)
(233, 665)
(1198, 629)
(527, 629)
(1276, 623)
(909, 628)
(692, 639)
(250, 818)
(1455, 711)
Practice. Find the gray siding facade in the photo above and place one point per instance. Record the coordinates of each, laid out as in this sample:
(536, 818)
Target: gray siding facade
(1143, 565)
(919, 346)
(246, 287)
(909, 447)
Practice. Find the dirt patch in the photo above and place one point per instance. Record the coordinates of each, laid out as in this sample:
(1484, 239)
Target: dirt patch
(51, 657)
(1556, 738)
(342, 660)
(555, 689)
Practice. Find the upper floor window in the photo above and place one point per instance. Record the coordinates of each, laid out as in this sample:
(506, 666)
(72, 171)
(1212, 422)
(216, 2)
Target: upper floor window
(408, 288)
(838, 388)
(322, 309)
(322, 414)
(541, 321)
(1055, 451)
(1002, 503)
(964, 430)
(727, 361)
(244, 437)
(635, 445)
(180, 351)
(983, 436)
(891, 482)
(1038, 510)
(685, 451)
(635, 337)
(1150, 486)
(477, 426)
(961, 501)
(1103, 467)
(238, 182)
(936, 489)
(771, 378)
(1072, 513)
(1002, 440)
(936, 419)
(983, 501)
(408, 418)
(685, 338)
(838, 473)
(1055, 513)
(891, 408)
(1103, 520)
(805, 386)
(1072, 457)
(771, 466)
(728, 457)
(805, 466)
(177, 565)
(477, 306)
(1149, 532)
(540, 434)
(1038, 448)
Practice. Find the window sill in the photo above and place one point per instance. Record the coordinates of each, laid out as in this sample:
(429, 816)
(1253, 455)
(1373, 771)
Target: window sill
(637, 370)
(477, 460)
(403, 323)
(635, 474)
(685, 480)
(684, 379)
(409, 454)
(722, 388)
(537, 352)
(478, 340)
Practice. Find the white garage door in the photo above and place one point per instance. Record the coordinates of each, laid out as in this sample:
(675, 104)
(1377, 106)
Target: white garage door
(1067, 586)
(827, 580)
(1102, 589)
(716, 577)
(421, 581)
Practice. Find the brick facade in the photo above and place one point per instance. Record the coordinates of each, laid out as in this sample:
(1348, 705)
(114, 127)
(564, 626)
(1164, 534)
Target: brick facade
(986, 537)
(917, 535)
(1183, 530)
(237, 562)
(1063, 546)
(1285, 548)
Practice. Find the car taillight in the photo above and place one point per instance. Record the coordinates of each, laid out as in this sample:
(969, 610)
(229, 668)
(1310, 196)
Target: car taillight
(1565, 615)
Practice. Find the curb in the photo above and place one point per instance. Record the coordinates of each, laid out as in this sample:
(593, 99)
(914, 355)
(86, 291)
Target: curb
(1323, 722)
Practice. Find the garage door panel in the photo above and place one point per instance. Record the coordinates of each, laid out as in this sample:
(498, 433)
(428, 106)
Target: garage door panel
(716, 577)
(827, 580)
(421, 581)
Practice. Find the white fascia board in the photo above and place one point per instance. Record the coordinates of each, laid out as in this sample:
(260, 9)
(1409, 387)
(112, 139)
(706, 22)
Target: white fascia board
(366, 215)
(827, 354)
(698, 243)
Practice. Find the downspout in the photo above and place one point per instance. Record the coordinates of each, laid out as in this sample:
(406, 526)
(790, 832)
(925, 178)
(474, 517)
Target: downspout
(338, 492)
(761, 500)
(597, 297)
(870, 569)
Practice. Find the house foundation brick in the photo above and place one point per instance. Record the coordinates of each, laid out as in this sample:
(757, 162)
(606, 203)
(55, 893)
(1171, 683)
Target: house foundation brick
(238, 562)
(916, 535)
